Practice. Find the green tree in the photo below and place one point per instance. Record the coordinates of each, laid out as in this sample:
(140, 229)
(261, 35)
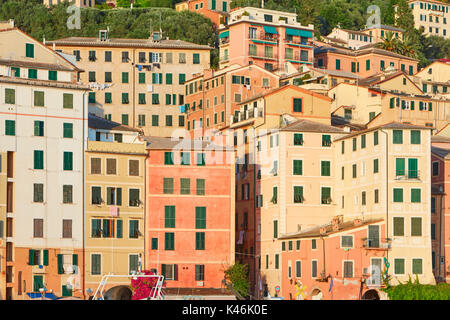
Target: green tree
(237, 276)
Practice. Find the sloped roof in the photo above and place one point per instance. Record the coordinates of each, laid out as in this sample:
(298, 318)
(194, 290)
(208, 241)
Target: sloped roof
(441, 152)
(315, 231)
(304, 125)
(95, 122)
(133, 43)
(45, 83)
(359, 52)
(164, 143)
(384, 26)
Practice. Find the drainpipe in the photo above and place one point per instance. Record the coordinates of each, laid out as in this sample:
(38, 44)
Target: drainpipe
(387, 189)
(83, 148)
(134, 88)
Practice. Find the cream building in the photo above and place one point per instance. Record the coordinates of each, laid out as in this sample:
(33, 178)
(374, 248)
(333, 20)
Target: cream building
(43, 135)
(114, 197)
(434, 79)
(137, 82)
(433, 16)
(78, 3)
(385, 172)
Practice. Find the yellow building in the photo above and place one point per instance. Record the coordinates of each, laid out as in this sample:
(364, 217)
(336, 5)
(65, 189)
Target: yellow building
(378, 32)
(3, 219)
(385, 172)
(137, 82)
(434, 78)
(433, 16)
(114, 197)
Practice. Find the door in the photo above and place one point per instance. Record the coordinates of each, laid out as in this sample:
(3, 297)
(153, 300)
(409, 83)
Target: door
(375, 271)
(38, 282)
(374, 236)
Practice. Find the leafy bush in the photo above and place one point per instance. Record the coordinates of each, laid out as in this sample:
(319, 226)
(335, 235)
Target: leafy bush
(416, 291)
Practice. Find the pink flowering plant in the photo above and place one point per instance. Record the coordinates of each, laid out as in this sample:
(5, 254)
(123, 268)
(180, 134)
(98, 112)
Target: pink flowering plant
(143, 287)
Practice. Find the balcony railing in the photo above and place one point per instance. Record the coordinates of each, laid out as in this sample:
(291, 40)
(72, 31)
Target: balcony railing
(407, 174)
(262, 36)
(376, 244)
(263, 55)
(298, 42)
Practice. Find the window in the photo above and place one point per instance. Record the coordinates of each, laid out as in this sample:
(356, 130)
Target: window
(297, 105)
(38, 128)
(185, 158)
(108, 56)
(67, 194)
(68, 101)
(96, 197)
(39, 98)
(298, 139)
(348, 269)
(397, 136)
(399, 266)
(96, 264)
(133, 229)
(200, 269)
(298, 167)
(416, 227)
(415, 195)
(29, 50)
(38, 159)
(134, 200)
(398, 195)
(169, 217)
(199, 241)
(168, 120)
(68, 130)
(67, 229)
(314, 269)
(298, 269)
(133, 168)
(200, 187)
(168, 185)
(326, 140)
(200, 217)
(433, 231)
(10, 96)
(274, 195)
(298, 194)
(346, 241)
(354, 169)
(325, 168)
(363, 141)
(326, 195)
(417, 266)
(182, 58)
(415, 137)
(185, 186)
(38, 228)
(196, 58)
(375, 166)
(155, 98)
(376, 196)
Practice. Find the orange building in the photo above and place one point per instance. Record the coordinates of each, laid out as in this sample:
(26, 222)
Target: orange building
(190, 212)
(363, 62)
(214, 96)
(337, 261)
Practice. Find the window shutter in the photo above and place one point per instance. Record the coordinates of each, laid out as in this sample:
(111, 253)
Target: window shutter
(163, 270)
(75, 260)
(119, 229)
(60, 264)
(45, 257)
(175, 272)
(105, 228)
(118, 196)
(31, 257)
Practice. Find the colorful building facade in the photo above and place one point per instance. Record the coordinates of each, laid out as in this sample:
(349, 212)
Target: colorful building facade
(265, 37)
(214, 10)
(432, 15)
(190, 212)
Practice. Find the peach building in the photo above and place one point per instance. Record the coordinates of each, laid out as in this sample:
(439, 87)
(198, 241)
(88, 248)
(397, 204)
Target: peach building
(78, 3)
(351, 38)
(440, 217)
(215, 10)
(336, 261)
(434, 78)
(137, 82)
(378, 32)
(190, 212)
(214, 96)
(432, 15)
(385, 173)
(388, 97)
(364, 62)
(265, 37)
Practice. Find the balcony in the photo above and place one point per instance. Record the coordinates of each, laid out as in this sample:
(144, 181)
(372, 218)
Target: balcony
(224, 58)
(298, 43)
(376, 244)
(407, 175)
(263, 55)
(298, 58)
(246, 115)
(263, 37)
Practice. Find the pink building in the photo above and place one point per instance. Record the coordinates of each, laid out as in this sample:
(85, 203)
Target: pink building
(265, 37)
(339, 261)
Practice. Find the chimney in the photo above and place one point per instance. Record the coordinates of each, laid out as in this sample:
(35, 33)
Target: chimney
(323, 230)
(335, 227)
(335, 221)
(357, 222)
